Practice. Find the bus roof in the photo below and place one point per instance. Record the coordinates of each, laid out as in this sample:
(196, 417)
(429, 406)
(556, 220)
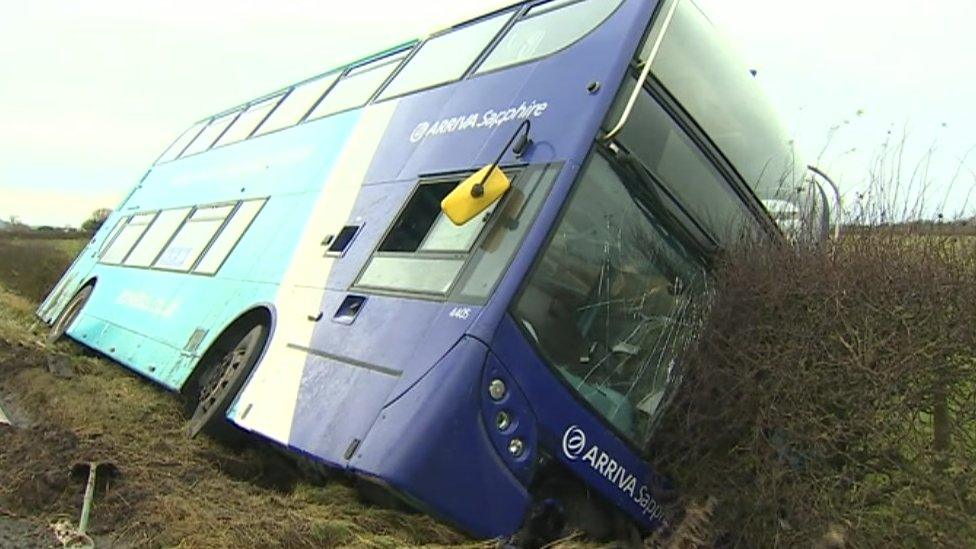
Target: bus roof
(474, 15)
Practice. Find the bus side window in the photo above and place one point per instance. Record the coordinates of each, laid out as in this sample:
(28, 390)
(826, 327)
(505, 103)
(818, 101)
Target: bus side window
(232, 233)
(248, 121)
(127, 238)
(446, 57)
(494, 254)
(359, 84)
(193, 238)
(297, 104)
(111, 237)
(181, 142)
(156, 237)
(423, 250)
(210, 134)
(546, 29)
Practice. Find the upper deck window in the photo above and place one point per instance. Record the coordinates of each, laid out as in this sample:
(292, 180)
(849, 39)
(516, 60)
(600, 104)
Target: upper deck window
(297, 104)
(445, 58)
(359, 84)
(181, 142)
(666, 151)
(546, 29)
(210, 134)
(245, 124)
(699, 68)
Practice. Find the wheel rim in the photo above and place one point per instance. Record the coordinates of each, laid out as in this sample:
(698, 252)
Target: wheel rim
(221, 377)
(224, 376)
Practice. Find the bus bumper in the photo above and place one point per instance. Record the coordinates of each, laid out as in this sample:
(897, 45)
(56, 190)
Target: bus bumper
(438, 445)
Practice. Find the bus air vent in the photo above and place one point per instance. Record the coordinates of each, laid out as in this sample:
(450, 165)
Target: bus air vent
(339, 243)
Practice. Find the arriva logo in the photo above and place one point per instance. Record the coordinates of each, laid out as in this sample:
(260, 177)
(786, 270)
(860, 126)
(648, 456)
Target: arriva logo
(575, 448)
(488, 119)
(419, 132)
(574, 441)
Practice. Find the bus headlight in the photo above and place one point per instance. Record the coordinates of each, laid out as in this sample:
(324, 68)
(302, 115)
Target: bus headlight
(516, 447)
(497, 389)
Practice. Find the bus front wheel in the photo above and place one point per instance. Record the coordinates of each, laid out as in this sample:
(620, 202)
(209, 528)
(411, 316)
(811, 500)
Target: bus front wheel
(70, 314)
(225, 369)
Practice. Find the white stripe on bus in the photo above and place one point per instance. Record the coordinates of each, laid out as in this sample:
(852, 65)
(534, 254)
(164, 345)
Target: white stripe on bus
(271, 396)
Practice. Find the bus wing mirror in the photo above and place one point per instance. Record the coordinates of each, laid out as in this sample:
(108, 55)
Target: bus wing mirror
(475, 194)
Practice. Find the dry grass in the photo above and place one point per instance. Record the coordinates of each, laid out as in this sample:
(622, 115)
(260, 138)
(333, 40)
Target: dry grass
(808, 418)
(31, 265)
(834, 396)
(173, 492)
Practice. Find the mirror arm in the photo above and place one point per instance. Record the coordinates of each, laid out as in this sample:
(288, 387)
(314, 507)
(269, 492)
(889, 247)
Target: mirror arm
(478, 190)
(645, 72)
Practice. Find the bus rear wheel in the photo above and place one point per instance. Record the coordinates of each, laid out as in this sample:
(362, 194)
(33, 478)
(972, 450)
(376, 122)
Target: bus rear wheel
(225, 369)
(69, 314)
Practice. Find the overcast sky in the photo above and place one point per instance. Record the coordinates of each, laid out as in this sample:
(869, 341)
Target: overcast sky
(91, 92)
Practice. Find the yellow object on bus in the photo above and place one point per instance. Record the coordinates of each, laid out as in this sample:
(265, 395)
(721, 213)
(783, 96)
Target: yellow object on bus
(465, 202)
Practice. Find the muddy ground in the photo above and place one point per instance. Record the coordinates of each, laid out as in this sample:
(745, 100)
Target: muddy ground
(69, 407)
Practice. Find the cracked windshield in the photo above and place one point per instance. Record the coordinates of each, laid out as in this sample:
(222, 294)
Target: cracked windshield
(614, 301)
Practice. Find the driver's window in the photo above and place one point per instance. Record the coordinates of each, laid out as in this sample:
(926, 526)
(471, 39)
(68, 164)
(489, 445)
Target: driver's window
(612, 300)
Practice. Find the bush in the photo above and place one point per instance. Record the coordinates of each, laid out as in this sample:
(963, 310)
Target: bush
(833, 396)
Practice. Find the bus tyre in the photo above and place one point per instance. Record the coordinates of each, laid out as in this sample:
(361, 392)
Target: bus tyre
(69, 314)
(224, 373)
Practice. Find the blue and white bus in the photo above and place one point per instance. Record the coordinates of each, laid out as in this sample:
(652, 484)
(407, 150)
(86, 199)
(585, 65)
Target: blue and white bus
(465, 269)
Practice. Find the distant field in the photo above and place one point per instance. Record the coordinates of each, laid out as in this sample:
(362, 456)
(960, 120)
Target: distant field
(31, 265)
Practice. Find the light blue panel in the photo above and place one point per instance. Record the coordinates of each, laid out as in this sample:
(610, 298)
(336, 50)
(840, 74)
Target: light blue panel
(279, 163)
(265, 251)
(162, 309)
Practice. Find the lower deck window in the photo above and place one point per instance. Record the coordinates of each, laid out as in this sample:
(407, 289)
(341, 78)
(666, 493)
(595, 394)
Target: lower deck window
(127, 237)
(229, 237)
(193, 237)
(425, 275)
(424, 251)
(156, 237)
(178, 240)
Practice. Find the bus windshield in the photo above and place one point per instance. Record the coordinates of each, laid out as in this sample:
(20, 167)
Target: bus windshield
(613, 301)
(700, 69)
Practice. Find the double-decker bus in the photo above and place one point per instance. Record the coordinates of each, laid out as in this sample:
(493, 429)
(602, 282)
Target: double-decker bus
(465, 269)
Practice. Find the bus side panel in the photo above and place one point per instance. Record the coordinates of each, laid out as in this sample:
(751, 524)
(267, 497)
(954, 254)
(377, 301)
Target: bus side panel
(160, 310)
(145, 321)
(341, 396)
(77, 274)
